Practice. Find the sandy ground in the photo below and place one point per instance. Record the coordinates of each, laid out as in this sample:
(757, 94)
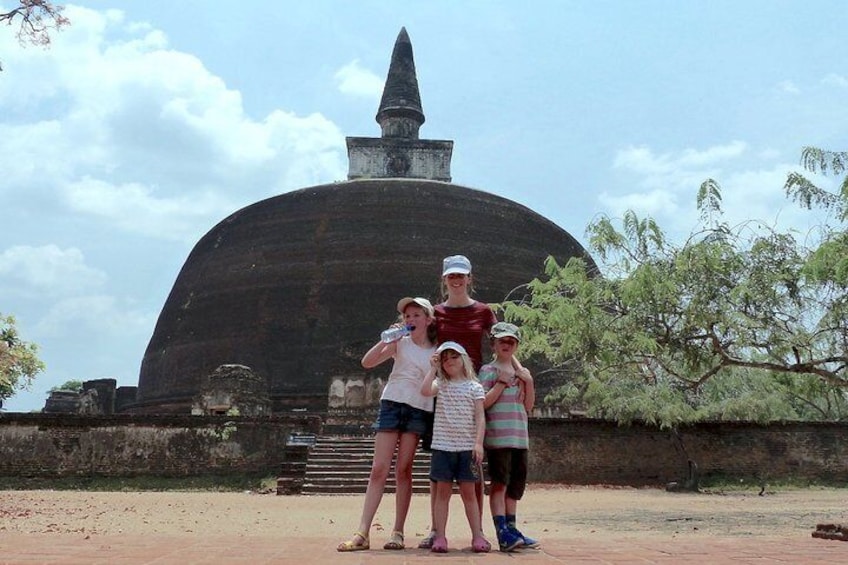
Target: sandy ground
(547, 512)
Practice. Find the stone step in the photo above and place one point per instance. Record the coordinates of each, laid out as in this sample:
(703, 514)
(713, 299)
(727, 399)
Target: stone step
(325, 490)
(342, 465)
(359, 474)
(358, 463)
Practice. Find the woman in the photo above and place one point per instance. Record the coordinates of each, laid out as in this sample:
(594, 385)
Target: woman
(459, 317)
(464, 320)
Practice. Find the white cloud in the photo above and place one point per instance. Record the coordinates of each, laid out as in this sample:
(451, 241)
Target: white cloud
(134, 208)
(46, 271)
(768, 154)
(712, 155)
(652, 203)
(91, 315)
(834, 79)
(112, 131)
(758, 194)
(146, 138)
(664, 187)
(355, 80)
(666, 182)
(788, 87)
(643, 160)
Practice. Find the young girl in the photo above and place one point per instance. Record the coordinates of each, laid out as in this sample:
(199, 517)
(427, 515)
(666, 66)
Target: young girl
(510, 395)
(403, 418)
(457, 444)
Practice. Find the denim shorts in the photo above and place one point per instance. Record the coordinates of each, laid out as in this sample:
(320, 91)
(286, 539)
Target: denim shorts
(450, 466)
(400, 417)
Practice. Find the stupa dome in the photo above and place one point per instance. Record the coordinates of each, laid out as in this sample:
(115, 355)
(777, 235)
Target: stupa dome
(298, 287)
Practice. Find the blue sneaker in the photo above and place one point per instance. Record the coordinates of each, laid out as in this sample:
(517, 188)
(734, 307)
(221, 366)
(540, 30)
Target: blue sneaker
(528, 542)
(508, 540)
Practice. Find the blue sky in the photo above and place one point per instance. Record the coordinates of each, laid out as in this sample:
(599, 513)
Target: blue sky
(146, 123)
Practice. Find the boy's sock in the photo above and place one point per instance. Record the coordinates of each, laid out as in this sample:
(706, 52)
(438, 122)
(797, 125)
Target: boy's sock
(510, 524)
(507, 539)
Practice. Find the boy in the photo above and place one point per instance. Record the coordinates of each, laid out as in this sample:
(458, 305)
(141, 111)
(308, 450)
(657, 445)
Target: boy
(510, 396)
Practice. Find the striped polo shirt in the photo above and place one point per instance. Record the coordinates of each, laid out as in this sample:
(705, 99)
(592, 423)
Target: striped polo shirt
(506, 419)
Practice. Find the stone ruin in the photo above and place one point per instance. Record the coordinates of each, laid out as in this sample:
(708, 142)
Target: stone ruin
(233, 390)
(98, 397)
(357, 392)
(62, 402)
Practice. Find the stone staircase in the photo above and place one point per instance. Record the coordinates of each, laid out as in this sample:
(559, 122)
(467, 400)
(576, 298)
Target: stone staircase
(341, 465)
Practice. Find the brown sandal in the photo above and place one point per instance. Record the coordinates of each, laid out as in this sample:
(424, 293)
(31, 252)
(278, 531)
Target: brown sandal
(351, 545)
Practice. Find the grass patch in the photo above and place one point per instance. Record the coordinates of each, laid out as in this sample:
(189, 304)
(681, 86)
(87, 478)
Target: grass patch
(134, 484)
(724, 483)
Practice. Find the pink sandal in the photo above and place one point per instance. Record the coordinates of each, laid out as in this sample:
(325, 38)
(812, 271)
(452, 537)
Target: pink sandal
(440, 545)
(480, 545)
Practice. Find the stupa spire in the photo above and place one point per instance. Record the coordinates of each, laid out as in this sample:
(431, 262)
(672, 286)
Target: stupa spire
(400, 113)
(398, 153)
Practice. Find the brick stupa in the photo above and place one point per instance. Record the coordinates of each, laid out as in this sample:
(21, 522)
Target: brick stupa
(297, 287)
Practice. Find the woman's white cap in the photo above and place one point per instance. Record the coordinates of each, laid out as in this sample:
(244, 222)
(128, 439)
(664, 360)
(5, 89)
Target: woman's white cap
(456, 264)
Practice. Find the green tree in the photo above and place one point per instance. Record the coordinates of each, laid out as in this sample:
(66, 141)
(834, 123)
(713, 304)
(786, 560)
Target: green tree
(73, 384)
(828, 264)
(19, 362)
(804, 191)
(35, 19)
(737, 322)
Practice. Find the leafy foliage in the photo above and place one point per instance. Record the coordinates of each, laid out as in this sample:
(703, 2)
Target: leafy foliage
(736, 323)
(19, 362)
(802, 190)
(73, 384)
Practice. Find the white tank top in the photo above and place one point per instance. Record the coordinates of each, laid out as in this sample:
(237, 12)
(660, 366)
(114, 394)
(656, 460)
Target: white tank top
(411, 365)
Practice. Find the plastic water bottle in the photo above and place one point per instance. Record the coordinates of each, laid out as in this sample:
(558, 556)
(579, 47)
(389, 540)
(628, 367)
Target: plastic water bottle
(394, 334)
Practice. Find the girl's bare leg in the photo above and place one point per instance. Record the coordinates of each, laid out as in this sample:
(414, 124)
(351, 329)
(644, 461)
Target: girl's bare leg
(407, 445)
(443, 489)
(384, 449)
(468, 492)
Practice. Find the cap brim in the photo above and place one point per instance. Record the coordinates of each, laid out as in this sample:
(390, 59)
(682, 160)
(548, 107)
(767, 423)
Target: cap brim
(506, 334)
(456, 271)
(451, 347)
(403, 303)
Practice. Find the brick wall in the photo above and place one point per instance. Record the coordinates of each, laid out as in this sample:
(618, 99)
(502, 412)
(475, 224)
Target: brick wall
(566, 451)
(592, 451)
(59, 445)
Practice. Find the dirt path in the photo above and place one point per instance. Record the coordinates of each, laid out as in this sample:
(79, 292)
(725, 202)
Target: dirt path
(546, 512)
